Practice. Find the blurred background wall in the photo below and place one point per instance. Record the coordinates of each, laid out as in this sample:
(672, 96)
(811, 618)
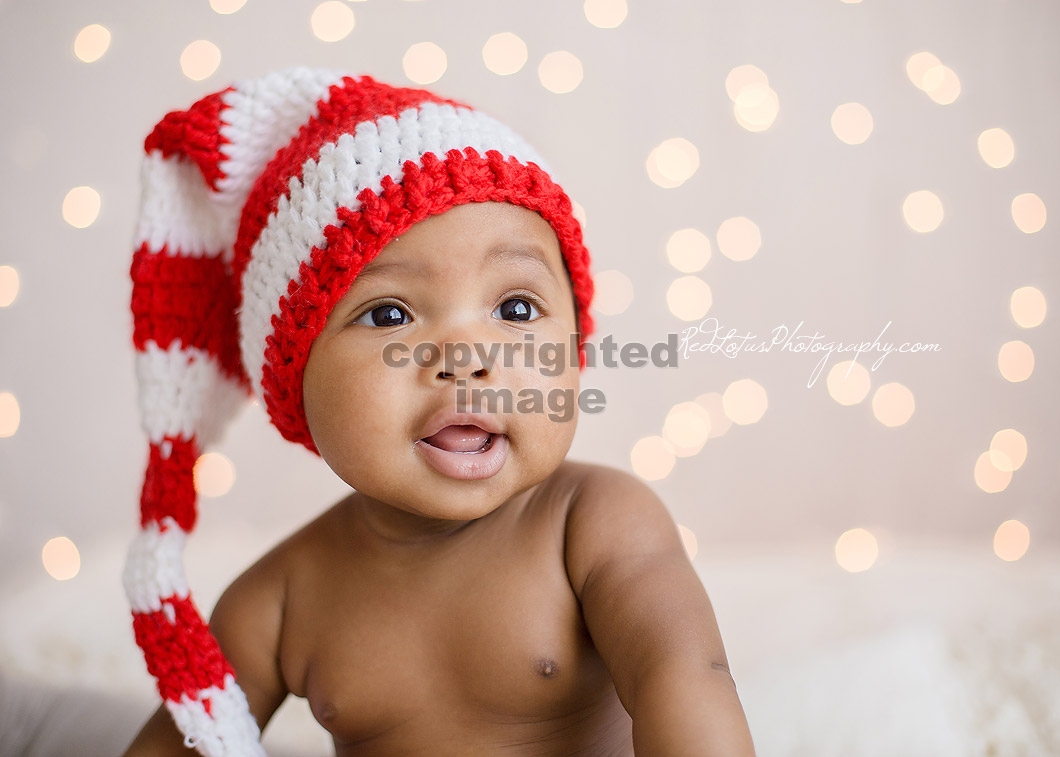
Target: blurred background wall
(827, 172)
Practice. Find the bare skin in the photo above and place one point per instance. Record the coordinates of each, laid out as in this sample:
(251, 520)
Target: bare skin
(545, 608)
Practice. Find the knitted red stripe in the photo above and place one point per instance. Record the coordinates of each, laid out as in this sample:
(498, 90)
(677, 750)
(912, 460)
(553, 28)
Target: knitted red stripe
(182, 655)
(424, 191)
(352, 102)
(169, 485)
(188, 300)
(194, 133)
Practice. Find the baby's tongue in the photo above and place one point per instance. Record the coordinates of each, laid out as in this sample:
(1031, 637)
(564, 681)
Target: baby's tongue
(459, 439)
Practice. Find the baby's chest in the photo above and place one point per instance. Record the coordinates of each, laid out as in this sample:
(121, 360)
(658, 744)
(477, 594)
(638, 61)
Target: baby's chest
(503, 642)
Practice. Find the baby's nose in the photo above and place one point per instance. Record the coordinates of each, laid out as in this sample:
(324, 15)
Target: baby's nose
(462, 360)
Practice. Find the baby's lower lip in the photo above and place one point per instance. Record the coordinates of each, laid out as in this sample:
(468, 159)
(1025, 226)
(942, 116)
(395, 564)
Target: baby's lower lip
(467, 466)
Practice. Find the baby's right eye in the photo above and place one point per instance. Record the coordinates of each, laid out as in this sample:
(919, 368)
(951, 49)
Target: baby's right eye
(384, 315)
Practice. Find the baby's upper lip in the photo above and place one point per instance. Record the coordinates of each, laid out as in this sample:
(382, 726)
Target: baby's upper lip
(446, 418)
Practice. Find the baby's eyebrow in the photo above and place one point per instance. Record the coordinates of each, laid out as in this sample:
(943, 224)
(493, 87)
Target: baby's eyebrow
(530, 254)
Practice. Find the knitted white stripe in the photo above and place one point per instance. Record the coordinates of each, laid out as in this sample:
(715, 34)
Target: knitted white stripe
(153, 568)
(342, 170)
(184, 393)
(176, 210)
(229, 730)
(261, 116)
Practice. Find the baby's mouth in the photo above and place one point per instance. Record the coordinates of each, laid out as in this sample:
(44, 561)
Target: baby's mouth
(465, 440)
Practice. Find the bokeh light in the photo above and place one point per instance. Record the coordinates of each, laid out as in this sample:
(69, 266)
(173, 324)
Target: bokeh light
(856, 550)
(942, 84)
(227, 7)
(605, 14)
(893, 404)
(614, 292)
(996, 148)
(560, 72)
(81, 207)
(579, 213)
(1008, 450)
(917, 67)
(849, 382)
(689, 298)
(1011, 540)
(689, 540)
(988, 477)
(852, 123)
(10, 415)
(200, 60)
(714, 404)
(1015, 360)
(744, 76)
(756, 107)
(504, 53)
(61, 558)
(744, 401)
(214, 474)
(332, 20)
(1027, 306)
(739, 238)
(1028, 211)
(922, 211)
(672, 162)
(652, 458)
(687, 428)
(688, 250)
(9, 285)
(424, 63)
(91, 43)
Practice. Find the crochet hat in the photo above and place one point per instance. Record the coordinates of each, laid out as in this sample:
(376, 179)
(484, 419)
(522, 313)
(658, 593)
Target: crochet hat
(261, 204)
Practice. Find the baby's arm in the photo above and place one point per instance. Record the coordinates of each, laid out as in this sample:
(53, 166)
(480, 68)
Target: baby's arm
(652, 622)
(247, 622)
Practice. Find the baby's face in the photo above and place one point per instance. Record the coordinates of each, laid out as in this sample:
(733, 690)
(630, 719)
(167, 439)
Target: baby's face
(401, 426)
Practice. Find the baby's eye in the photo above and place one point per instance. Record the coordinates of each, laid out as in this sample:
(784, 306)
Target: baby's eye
(516, 309)
(384, 315)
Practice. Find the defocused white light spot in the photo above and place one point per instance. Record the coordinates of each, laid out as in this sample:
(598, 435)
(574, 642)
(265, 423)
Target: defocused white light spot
(1015, 360)
(81, 207)
(8, 285)
(1028, 211)
(918, 65)
(893, 404)
(61, 558)
(744, 76)
(688, 250)
(605, 14)
(713, 403)
(227, 7)
(689, 298)
(200, 60)
(560, 72)
(996, 148)
(848, 382)
(10, 415)
(744, 401)
(687, 428)
(988, 477)
(673, 162)
(941, 84)
(922, 211)
(614, 292)
(856, 550)
(689, 540)
(739, 238)
(504, 53)
(1011, 540)
(579, 213)
(332, 21)
(1008, 450)
(756, 107)
(1028, 307)
(91, 43)
(852, 123)
(214, 475)
(652, 458)
(424, 63)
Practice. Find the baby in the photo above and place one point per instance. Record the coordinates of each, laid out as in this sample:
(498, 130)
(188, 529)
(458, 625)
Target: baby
(476, 593)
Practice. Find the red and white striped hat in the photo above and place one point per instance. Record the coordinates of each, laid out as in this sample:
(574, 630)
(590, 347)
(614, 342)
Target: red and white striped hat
(261, 204)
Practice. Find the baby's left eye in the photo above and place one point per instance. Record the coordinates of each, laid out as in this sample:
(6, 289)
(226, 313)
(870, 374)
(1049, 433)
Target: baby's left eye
(516, 309)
